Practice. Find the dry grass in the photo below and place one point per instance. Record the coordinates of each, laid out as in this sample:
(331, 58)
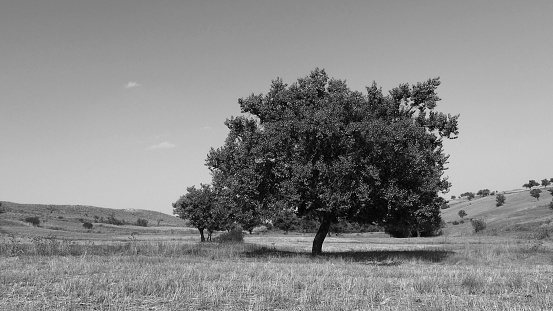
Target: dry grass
(361, 273)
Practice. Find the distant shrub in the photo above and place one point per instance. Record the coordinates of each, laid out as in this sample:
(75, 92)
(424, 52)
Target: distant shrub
(81, 220)
(142, 222)
(87, 225)
(500, 200)
(462, 221)
(478, 225)
(455, 222)
(462, 213)
(60, 217)
(551, 205)
(114, 221)
(34, 220)
(233, 236)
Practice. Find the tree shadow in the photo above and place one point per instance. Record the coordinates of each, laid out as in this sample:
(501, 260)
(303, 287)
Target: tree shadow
(377, 257)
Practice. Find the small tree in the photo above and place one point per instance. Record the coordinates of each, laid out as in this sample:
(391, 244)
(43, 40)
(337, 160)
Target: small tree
(199, 207)
(87, 225)
(545, 182)
(478, 225)
(531, 183)
(462, 213)
(483, 192)
(142, 222)
(469, 195)
(286, 220)
(453, 197)
(535, 193)
(34, 220)
(500, 200)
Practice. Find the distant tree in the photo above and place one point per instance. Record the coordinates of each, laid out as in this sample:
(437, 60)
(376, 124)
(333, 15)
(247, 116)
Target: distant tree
(500, 200)
(468, 195)
(159, 220)
(453, 197)
(87, 225)
(545, 182)
(551, 180)
(142, 222)
(483, 192)
(531, 183)
(551, 190)
(201, 208)
(33, 220)
(462, 213)
(535, 193)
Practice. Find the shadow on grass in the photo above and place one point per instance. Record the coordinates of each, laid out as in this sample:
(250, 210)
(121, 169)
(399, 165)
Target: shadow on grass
(380, 257)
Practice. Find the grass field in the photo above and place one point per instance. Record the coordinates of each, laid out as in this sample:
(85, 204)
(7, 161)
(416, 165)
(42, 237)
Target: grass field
(63, 266)
(275, 272)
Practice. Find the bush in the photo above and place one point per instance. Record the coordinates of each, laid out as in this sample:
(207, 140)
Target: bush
(478, 225)
(87, 225)
(500, 200)
(233, 236)
(551, 205)
(455, 222)
(142, 222)
(34, 220)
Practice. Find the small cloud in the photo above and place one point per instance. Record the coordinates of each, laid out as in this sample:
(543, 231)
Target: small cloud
(132, 84)
(163, 145)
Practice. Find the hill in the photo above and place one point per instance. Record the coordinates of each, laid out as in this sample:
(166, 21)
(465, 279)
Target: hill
(521, 213)
(67, 220)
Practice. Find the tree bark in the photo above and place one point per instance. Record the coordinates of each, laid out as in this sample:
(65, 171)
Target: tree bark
(320, 236)
(202, 237)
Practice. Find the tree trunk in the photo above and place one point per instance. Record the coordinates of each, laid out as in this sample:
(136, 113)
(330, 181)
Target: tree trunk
(202, 239)
(320, 236)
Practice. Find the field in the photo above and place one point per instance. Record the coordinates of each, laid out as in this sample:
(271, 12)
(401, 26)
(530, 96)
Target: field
(166, 268)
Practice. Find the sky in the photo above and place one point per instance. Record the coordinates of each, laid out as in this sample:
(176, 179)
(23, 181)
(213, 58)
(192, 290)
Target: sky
(117, 103)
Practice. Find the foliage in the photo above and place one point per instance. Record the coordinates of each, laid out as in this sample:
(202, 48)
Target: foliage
(142, 222)
(455, 222)
(202, 209)
(469, 195)
(545, 182)
(535, 193)
(233, 236)
(500, 200)
(33, 220)
(286, 220)
(87, 225)
(478, 225)
(445, 205)
(531, 183)
(453, 197)
(462, 213)
(331, 154)
(483, 192)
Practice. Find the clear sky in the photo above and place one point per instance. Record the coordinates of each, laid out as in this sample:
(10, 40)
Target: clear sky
(116, 103)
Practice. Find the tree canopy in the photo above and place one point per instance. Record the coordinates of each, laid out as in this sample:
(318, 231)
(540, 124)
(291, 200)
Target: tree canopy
(201, 208)
(531, 183)
(327, 152)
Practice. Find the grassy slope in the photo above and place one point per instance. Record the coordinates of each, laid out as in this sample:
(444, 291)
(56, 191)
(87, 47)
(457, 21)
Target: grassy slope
(521, 212)
(66, 221)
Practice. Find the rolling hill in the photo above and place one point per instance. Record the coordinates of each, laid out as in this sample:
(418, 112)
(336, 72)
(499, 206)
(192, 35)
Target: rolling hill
(67, 221)
(521, 213)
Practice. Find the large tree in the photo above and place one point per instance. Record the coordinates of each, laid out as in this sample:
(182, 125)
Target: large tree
(327, 152)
